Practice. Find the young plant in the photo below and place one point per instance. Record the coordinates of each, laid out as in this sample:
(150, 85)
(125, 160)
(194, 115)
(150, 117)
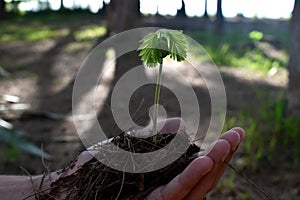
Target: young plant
(154, 48)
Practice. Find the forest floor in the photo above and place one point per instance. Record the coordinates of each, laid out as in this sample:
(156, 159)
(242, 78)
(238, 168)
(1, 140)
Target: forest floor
(42, 74)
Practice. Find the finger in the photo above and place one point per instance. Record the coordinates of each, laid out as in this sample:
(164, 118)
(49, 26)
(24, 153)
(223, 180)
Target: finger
(218, 152)
(240, 131)
(170, 125)
(234, 139)
(182, 184)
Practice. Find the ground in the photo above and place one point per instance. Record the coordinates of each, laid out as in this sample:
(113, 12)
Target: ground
(42, 75)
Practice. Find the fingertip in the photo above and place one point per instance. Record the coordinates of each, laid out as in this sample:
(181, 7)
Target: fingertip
(171, 125)
(219, 150)
(233, 137)
(240, 131)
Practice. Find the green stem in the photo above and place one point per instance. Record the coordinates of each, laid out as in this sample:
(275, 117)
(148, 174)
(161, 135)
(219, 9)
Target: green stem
(156, 100)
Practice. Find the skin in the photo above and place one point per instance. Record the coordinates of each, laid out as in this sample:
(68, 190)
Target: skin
(199, 178)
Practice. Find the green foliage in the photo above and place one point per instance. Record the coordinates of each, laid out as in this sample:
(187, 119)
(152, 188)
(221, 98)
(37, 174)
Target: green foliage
(156, 46)
(255, 60)
(14, 32)
(222, 56)
(12, 154)
(230, 180)
(272, 136)
(256, 35)
(240, 49)
(228, 185)
(47, 25)
(90, 32)
(245, 196)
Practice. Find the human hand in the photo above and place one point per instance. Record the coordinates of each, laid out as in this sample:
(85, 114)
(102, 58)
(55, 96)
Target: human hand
(202, 174)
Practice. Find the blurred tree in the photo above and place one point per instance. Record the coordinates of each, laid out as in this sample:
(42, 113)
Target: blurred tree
(181, 12)
(220, 16)
(62, 7)
(294, 62)
(123, 15)
(2, 8)
(103, 10)
(205, 10)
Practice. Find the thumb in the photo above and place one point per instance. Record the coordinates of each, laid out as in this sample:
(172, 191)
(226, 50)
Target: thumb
(168, 126)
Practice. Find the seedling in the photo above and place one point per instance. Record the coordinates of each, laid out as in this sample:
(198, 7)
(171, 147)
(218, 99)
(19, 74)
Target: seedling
(154, 48)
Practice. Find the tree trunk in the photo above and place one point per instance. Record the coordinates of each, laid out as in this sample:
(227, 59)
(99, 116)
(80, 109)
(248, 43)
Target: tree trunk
(219, 19)
(121, 15)
(181, 12)
(220, 16)
(103, 10)
(62, 5)
(205, 10)
(294, 63)
(2, 9)
(126, 15)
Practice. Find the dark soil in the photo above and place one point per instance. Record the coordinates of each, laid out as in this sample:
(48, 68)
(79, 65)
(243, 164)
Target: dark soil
(95, 180)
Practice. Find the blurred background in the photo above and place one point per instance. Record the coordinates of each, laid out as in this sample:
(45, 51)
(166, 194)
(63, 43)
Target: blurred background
(254, 43)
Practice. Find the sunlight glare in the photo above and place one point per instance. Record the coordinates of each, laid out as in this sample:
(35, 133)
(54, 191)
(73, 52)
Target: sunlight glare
(54, 4)
(148, 6)
(169, 7)
(94, 6)
(249, 8)
(192, 4)
(231, 11)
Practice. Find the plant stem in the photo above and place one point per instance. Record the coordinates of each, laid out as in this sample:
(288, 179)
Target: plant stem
(156, 100)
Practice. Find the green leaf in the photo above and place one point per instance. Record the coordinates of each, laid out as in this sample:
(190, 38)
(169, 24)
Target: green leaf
(156, 46)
